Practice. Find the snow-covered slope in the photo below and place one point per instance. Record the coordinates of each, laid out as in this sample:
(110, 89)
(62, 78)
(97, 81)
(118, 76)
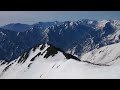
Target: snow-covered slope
(108, 55)
(48, 62)
(36, 63)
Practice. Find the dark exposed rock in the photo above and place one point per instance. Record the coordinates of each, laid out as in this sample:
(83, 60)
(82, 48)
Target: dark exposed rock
(29, 65)
(35, 56)
(23, 57)
(7, 67)
(51, 51)
(42, 47)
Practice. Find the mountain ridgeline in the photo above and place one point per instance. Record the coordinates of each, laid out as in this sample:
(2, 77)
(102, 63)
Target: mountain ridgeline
(45, 61)
(39, 53)
(45, 50)
(76, 38)
(18, 27)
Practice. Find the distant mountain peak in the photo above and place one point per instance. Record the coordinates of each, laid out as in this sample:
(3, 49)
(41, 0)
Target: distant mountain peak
(18, 27)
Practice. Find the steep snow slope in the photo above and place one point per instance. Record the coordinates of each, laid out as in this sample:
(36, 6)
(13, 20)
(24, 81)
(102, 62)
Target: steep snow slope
(38, 61)
(109, 55)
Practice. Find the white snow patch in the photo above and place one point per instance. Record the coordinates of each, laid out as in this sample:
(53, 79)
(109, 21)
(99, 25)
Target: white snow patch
(18, 33)
(3, 34)
(71, 23)
(102, 23)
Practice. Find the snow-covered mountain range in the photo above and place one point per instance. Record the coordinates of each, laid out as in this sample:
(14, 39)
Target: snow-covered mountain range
(45, 61)
(74, 37)
(76, 50)
(19, 27)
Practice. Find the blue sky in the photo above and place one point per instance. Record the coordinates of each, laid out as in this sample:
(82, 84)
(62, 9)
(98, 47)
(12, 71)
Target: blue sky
(30, 17)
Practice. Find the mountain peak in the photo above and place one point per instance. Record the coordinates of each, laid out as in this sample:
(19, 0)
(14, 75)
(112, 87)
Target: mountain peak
(41, 55)
(46, 50)
(19, 27)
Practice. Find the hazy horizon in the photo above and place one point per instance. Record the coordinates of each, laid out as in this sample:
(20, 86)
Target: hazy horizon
(31, 17)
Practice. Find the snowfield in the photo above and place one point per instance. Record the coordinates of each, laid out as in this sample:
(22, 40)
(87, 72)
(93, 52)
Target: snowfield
(108, 55)
(59, 67)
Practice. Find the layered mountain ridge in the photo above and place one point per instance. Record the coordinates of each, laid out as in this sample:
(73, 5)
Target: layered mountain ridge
(74, 37)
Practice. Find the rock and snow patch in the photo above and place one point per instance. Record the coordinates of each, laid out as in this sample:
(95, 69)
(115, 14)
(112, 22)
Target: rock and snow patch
(3, 34)
(45, 34)
(101, 24)
(18, 33)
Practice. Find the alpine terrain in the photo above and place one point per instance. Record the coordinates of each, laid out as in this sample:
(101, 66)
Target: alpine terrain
(74, 37)
(45, 61)
(60, 50)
